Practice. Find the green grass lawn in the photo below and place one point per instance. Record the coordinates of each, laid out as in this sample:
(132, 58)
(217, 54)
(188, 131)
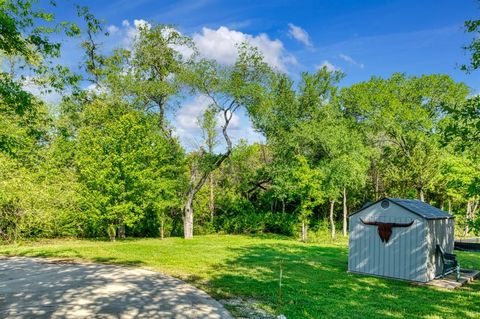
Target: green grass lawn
(316, 284)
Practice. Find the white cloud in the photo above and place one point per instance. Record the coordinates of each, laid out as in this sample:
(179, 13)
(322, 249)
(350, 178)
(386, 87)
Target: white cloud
(112, 29)
(350, 60)
(186, 118)
(184, 50)
(140, 23)
(299, 34)
(221, 44)
(330, 67)
(129, 32)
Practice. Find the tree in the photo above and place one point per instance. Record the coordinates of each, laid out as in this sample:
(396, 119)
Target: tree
(473, 27)
(28, 49)
(151, 71)
(208, 124)
(23, 123)
(229, 88)
(462, 126)
(308, 123)
(464, 129)
(461, 136)
(306, 183)
(127, 165)
(36, 199)
(400, 118)
(94, 60)
(26, 46)
(340, 153)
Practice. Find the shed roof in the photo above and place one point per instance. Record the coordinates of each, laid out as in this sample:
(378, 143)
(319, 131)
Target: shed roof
(417, 207)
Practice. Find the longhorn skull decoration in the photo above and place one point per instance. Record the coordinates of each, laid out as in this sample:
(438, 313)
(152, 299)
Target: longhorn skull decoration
(385, 229)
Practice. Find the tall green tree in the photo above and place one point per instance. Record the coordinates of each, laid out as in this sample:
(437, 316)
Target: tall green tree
(36, 198)
(462, 126)
(127, 165)
(400, 117)
(461, 135)
(306, 184)
(229, 88)
(309, 124)
(151, 71)
(473, 27)
(208, 125)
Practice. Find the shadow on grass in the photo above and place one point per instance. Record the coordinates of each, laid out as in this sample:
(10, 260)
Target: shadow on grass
(268, 236)
(115, 261)
(69, 255)
(33, 252)
(316, 285)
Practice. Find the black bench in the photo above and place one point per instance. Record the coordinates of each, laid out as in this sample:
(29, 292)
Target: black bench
(449, 263)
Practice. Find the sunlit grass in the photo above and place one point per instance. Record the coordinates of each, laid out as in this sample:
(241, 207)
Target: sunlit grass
(316, 284)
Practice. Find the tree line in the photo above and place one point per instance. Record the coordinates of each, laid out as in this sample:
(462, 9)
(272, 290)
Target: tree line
(105, 160)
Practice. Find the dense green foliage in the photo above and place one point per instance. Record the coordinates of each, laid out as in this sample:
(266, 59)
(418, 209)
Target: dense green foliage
(105, 160)
(129, 170)
(315, 281)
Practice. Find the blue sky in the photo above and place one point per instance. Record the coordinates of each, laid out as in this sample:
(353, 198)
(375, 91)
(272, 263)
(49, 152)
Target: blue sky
(361, 38)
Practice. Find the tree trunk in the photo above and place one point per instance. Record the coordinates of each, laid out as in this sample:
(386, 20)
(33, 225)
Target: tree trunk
(304, 231)
(345, 212)
(112, 232)
(332, 221)
(375, 179)
(449, 206)
(162, 229)
(211, 202)
(421, 196)
(442, 205)
(188, 217)
(467, 218)
(195, 186)
(473, 210)
(121, 231)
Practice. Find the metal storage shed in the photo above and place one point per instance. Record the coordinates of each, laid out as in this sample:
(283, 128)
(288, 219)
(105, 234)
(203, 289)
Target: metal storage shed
(398, 238)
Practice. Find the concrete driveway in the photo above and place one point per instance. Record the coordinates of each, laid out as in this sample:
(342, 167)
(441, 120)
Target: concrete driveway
(40, 288)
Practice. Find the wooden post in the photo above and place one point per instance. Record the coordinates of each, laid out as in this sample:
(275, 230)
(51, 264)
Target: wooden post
(280, 286)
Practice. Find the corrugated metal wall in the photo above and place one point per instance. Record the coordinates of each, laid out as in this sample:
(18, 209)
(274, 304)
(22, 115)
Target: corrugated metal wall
(403, 256)
(441, 232)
